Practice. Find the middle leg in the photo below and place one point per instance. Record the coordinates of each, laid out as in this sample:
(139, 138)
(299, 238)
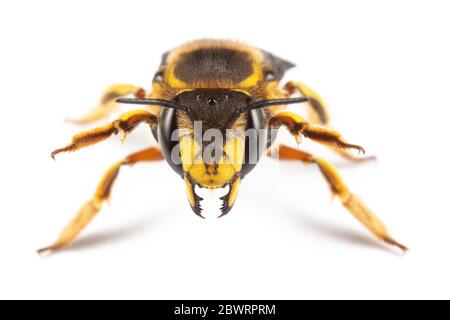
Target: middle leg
(125, 124)
(107, 104)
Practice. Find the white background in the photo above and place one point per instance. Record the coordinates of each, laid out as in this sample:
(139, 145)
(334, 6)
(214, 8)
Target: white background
(382, 66)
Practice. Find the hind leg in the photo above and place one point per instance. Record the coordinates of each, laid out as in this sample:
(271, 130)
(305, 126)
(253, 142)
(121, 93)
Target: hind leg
(90, 209)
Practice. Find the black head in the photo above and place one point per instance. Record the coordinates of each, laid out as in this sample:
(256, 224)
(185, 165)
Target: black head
(214, 108)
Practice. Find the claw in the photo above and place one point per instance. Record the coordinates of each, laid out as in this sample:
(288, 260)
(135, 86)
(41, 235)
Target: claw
(53, 155)
(356, 147)
(49, 249)
(395, 243)
(58, 151)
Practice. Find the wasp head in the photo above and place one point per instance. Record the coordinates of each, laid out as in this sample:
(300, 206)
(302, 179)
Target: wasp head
(212, 136)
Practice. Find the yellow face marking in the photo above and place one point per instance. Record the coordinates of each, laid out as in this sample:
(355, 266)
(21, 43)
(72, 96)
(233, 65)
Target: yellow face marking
(189, 148)
(224, 174)
(190, 191)
(234, 149)
(227, 168)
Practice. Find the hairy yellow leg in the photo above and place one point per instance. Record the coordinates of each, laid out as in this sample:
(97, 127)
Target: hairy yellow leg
(318, 111)
(346, 154)
(107, 104)
(318, 114)
(125, 124)
(350, 201)
(90, 209)
(299, 128)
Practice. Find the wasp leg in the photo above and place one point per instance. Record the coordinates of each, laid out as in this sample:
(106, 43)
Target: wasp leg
(351, 202)
(318, 114)
(107, 104)
(125, 124)
(318, 110)
(90, 209)
(298, 127)
(344, 153)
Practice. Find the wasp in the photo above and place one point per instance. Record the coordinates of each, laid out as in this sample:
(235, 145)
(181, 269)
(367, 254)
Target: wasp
(229, 88)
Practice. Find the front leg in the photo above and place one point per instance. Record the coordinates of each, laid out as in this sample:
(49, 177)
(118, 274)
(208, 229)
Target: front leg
(125, 124)
(318, 113)
(298, 127)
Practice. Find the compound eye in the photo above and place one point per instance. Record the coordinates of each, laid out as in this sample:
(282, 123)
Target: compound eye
(270, 76)
(159, 77)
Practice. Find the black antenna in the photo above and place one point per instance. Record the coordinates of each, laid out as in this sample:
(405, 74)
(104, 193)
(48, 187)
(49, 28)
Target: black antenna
(157, 102)
(264, 104)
